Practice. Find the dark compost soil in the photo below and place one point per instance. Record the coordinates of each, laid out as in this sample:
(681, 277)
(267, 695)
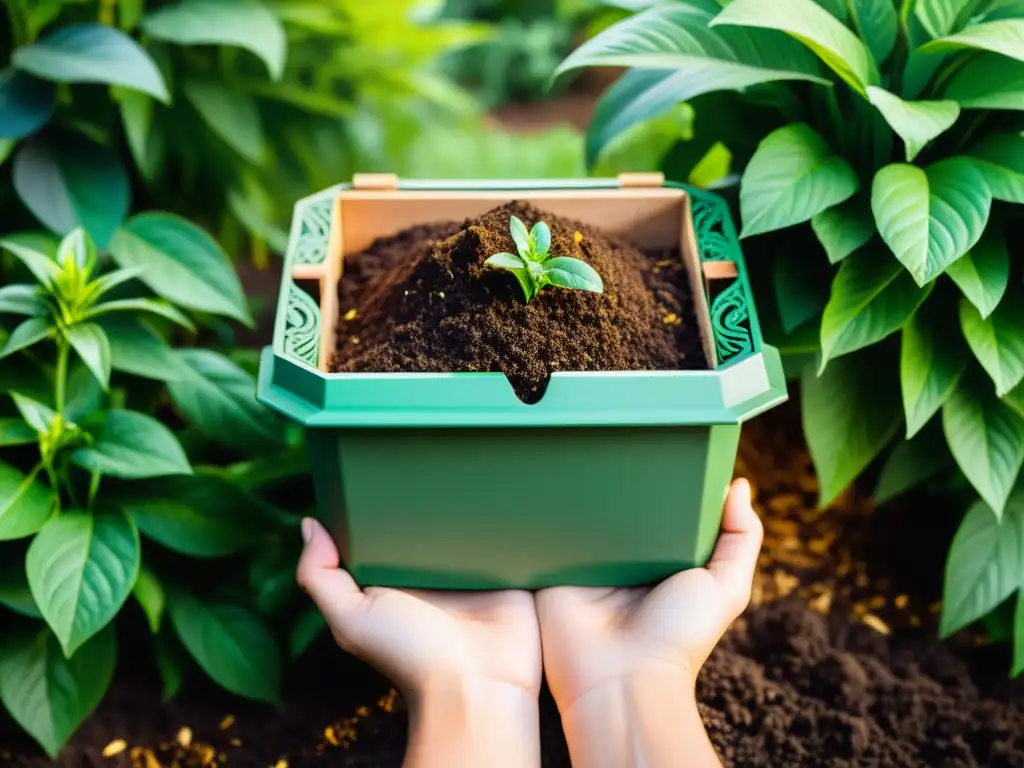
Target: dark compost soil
(423, 301)
(836, 663)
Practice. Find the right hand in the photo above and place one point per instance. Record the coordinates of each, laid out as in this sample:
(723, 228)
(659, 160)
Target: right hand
(592, 636)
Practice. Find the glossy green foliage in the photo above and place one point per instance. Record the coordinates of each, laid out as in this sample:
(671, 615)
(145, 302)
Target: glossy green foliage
(128, 467)
(894, 130)
(534, 267)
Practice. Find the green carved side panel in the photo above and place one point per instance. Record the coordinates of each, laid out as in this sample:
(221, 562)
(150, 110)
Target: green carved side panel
(314, 232)
(302, 327)
(732, 314)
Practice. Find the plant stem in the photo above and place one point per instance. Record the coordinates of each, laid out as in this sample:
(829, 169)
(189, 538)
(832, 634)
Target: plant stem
(60, 385)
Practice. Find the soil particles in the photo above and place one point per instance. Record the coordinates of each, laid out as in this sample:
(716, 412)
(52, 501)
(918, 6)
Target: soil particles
(423, 301)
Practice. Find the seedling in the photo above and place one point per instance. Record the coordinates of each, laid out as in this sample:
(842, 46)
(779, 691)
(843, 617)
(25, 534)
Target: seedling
(534, 268)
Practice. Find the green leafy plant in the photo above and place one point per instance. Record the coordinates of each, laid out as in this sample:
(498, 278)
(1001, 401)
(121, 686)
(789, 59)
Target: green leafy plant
(881, 154)
(534, 267)
(137, 479)
(224, 111)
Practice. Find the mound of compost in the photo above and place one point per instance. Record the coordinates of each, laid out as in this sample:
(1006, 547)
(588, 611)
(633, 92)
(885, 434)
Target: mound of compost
(423, 302)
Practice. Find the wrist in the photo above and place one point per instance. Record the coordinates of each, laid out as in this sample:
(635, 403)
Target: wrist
(457, 721)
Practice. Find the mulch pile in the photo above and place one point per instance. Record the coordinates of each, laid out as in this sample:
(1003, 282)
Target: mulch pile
(423, 301)
(825, 669)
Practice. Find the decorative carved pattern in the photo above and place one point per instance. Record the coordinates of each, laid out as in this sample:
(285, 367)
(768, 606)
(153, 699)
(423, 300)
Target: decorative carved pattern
(730, 310)
(302, 327)
(314, 232)
(730, 321)
(713, 239)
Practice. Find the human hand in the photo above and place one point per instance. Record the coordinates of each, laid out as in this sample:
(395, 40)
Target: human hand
(419, 637)
(594, 636)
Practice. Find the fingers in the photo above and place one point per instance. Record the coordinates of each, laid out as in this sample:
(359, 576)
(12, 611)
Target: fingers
(735, 557)
(333, 590)
(561, 601)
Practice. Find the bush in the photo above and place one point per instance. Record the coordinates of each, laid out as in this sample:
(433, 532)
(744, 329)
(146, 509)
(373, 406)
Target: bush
(225, 111)
(882, 165)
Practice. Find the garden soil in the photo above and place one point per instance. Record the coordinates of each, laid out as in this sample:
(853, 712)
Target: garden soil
(835, 663)
(423, 301)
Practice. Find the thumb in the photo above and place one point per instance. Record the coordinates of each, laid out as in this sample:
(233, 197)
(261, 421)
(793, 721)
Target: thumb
(735, 557)
(333, 589)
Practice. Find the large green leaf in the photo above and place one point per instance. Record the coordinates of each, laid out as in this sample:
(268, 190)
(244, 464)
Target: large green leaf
(678, 58)
(998, 340)
(47, 694)
(916, 122)
(138, 349)
(986, 437)
(912, 463)
(181, 263)
(26, 104)
(792, 176)
(872, 297)
(92, 345)
(933, 358)
(72, 183)
(247, 24)
(231, 115)
(930, 217)
(23, 299)
(1000, 158)
(81, 568)
(133, 445)
(25, 503)
(849, 415)
(940, 17)
(813, 26)
(231, 644)
(198, 515)
(844, 228)
(141, 306)
(984, 273)
(877, 25)
(989, 81)
(1005, 36)
(92, 53)
(984, 566)
(14, 591)
(219, 399)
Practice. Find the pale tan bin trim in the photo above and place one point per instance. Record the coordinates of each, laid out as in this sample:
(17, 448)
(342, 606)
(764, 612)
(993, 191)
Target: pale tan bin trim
(650, 217)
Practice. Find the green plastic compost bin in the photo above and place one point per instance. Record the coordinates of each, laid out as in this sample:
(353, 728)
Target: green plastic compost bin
(448, 480)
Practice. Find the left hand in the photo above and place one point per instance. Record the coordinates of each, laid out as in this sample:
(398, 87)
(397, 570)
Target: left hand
(423, 639)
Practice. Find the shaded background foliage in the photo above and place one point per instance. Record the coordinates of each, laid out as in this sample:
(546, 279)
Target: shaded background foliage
(154, 149)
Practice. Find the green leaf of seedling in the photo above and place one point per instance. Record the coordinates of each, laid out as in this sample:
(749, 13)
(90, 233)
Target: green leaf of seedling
(541, 235)
(42, 267)
(108, 282)
(92, 345)
(567, 272)
(520, 234)
(505, 261)
(14, 431)
(30, 332)
(148, 306)
(984, 564)
(22, 299)
(76, 248)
